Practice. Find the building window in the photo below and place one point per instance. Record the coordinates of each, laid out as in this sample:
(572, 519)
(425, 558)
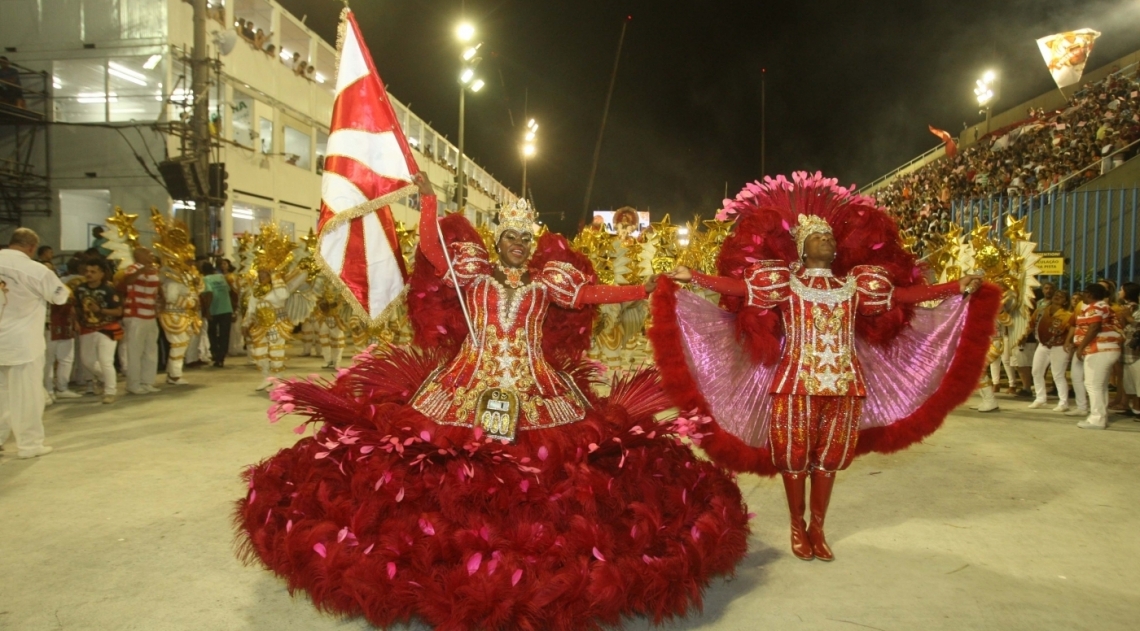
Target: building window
(241, 112)
(136, 83)
(248, 218)
(80, 90)
(265, 133)
(322, 149)
(100, 90)
(297, 150)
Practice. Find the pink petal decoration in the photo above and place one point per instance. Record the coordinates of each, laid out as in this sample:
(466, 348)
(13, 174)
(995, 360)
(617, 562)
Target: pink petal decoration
(289, 526)
(252, 496)
(598, 554)
(646, 558)
(342, 534)
(426, 526)
(320, 549)
(516, 577)
(877, 246)
(367, 449)
(400, 495)
(425, 436)
(633, 532)
(485, 533)
(543, 453)
(524, 485)
(696, 533)
(288, 408)
(391, 570)
(492, 565)
(474, 562)
(322, 454)
(300, 429)
(369, 548)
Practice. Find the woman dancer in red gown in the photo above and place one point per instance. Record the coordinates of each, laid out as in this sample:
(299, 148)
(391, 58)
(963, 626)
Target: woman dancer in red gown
(475, 481)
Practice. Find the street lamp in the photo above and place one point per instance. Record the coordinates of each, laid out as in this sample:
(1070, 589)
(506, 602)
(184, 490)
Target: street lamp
(985, 89)
(528, 149)
(465, 32)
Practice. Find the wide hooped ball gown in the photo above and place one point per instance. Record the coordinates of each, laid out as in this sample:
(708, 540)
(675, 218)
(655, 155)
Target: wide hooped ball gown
(477, 481)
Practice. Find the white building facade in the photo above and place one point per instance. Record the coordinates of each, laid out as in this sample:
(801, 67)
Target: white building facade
(120, 76)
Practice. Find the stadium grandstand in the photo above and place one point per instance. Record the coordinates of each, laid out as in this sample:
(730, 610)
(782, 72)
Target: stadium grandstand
(1067, 164)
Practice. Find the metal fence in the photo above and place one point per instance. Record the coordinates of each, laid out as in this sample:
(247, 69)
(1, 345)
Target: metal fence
(1094, 230)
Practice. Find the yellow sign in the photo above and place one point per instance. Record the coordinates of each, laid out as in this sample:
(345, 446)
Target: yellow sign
(1051, 264)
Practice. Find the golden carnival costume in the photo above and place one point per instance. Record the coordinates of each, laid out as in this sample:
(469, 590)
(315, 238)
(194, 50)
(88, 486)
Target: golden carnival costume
(180, 316)
(269, 327)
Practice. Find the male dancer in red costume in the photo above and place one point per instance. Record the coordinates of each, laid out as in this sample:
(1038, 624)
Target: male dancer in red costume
(818, 389)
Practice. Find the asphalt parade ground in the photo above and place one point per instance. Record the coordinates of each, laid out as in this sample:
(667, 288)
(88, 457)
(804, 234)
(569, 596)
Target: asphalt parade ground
(1009, 520)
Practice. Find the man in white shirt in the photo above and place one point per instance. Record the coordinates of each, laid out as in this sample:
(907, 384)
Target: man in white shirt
(30, 285)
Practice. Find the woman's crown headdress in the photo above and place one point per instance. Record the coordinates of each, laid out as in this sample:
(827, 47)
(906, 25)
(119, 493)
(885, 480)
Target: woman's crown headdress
(518, 216)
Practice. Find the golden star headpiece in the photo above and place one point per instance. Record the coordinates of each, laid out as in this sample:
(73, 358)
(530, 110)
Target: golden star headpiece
(807, 226)
(518, 216)
(173, 244)
(273, 249)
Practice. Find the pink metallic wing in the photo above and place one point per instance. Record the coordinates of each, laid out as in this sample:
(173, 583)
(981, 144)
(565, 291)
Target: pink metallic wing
(735, 388)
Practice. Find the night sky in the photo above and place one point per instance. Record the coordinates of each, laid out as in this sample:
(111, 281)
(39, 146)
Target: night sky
(851, 86)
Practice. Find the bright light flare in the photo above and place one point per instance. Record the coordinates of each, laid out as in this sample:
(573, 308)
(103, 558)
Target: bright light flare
(529, 136)
(470, 53)
(152, 62)
(528, 150)
(467, 75)
(477, 85)
(465, 31)
(532, 125)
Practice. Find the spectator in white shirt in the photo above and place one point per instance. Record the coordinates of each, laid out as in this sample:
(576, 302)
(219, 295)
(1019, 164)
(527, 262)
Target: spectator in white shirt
(30, 285)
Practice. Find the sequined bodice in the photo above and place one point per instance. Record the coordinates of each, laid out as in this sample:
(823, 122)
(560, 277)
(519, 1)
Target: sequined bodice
(506, 351)
(818, 311)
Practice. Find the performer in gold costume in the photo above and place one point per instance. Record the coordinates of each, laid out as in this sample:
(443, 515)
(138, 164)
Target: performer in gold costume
(269, 328)
(180, 316)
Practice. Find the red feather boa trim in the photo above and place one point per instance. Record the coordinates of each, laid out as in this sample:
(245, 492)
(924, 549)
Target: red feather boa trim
(959, 383)
(724, 448)
(729, 451)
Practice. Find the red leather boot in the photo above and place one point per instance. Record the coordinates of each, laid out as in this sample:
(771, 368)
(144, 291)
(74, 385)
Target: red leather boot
(821, 483)
(794, 487)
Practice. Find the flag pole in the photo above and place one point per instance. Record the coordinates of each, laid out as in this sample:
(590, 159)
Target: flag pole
(455, 283)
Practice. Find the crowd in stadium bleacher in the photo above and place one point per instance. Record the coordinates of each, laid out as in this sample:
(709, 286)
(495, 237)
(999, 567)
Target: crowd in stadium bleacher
(1047, 151)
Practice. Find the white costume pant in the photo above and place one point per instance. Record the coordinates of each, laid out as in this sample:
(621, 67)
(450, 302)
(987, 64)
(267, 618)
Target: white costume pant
(1098, 368)
(1131, 378)
(22, 405)
(141, 342)
(268, 353)
(1004, 361)
(1054, 359)
(58, 363)
(332, 342)
(179, 342)
(310, 338)
(1079, 393)
(98, 354)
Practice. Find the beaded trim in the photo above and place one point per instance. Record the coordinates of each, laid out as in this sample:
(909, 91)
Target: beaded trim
(834, 296)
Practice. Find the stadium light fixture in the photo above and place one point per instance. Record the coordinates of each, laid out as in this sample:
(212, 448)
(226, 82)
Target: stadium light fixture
(465, 31)
(477, 85)
(467, 75)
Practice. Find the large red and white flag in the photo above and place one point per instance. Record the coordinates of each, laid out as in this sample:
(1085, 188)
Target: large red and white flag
(1067, 53)
(368, 165)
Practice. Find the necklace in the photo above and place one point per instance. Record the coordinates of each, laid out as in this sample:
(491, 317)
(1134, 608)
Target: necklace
(514, 275)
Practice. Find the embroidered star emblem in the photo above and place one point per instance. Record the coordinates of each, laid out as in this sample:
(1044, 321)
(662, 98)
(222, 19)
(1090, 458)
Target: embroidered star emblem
(828, 339)
(827, 380)
(827, 358)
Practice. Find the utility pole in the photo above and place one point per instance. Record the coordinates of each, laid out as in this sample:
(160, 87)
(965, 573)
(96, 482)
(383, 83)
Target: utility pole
(763, 122)
(200, 128)
(601, 132)
(459, 169)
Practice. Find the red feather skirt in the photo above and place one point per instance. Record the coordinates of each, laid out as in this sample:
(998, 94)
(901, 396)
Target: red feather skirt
(388, 515)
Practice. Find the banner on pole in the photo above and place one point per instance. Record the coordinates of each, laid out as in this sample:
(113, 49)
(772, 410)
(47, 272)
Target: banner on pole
(1067, 53)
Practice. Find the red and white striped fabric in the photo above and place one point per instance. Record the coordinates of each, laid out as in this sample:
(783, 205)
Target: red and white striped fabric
(141, 295)
(368, 166)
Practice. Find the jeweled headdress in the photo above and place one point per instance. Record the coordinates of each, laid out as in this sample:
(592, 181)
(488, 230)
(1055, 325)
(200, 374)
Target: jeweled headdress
(517, 216)
(173, 243)
(807, 226)
(273, 249)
